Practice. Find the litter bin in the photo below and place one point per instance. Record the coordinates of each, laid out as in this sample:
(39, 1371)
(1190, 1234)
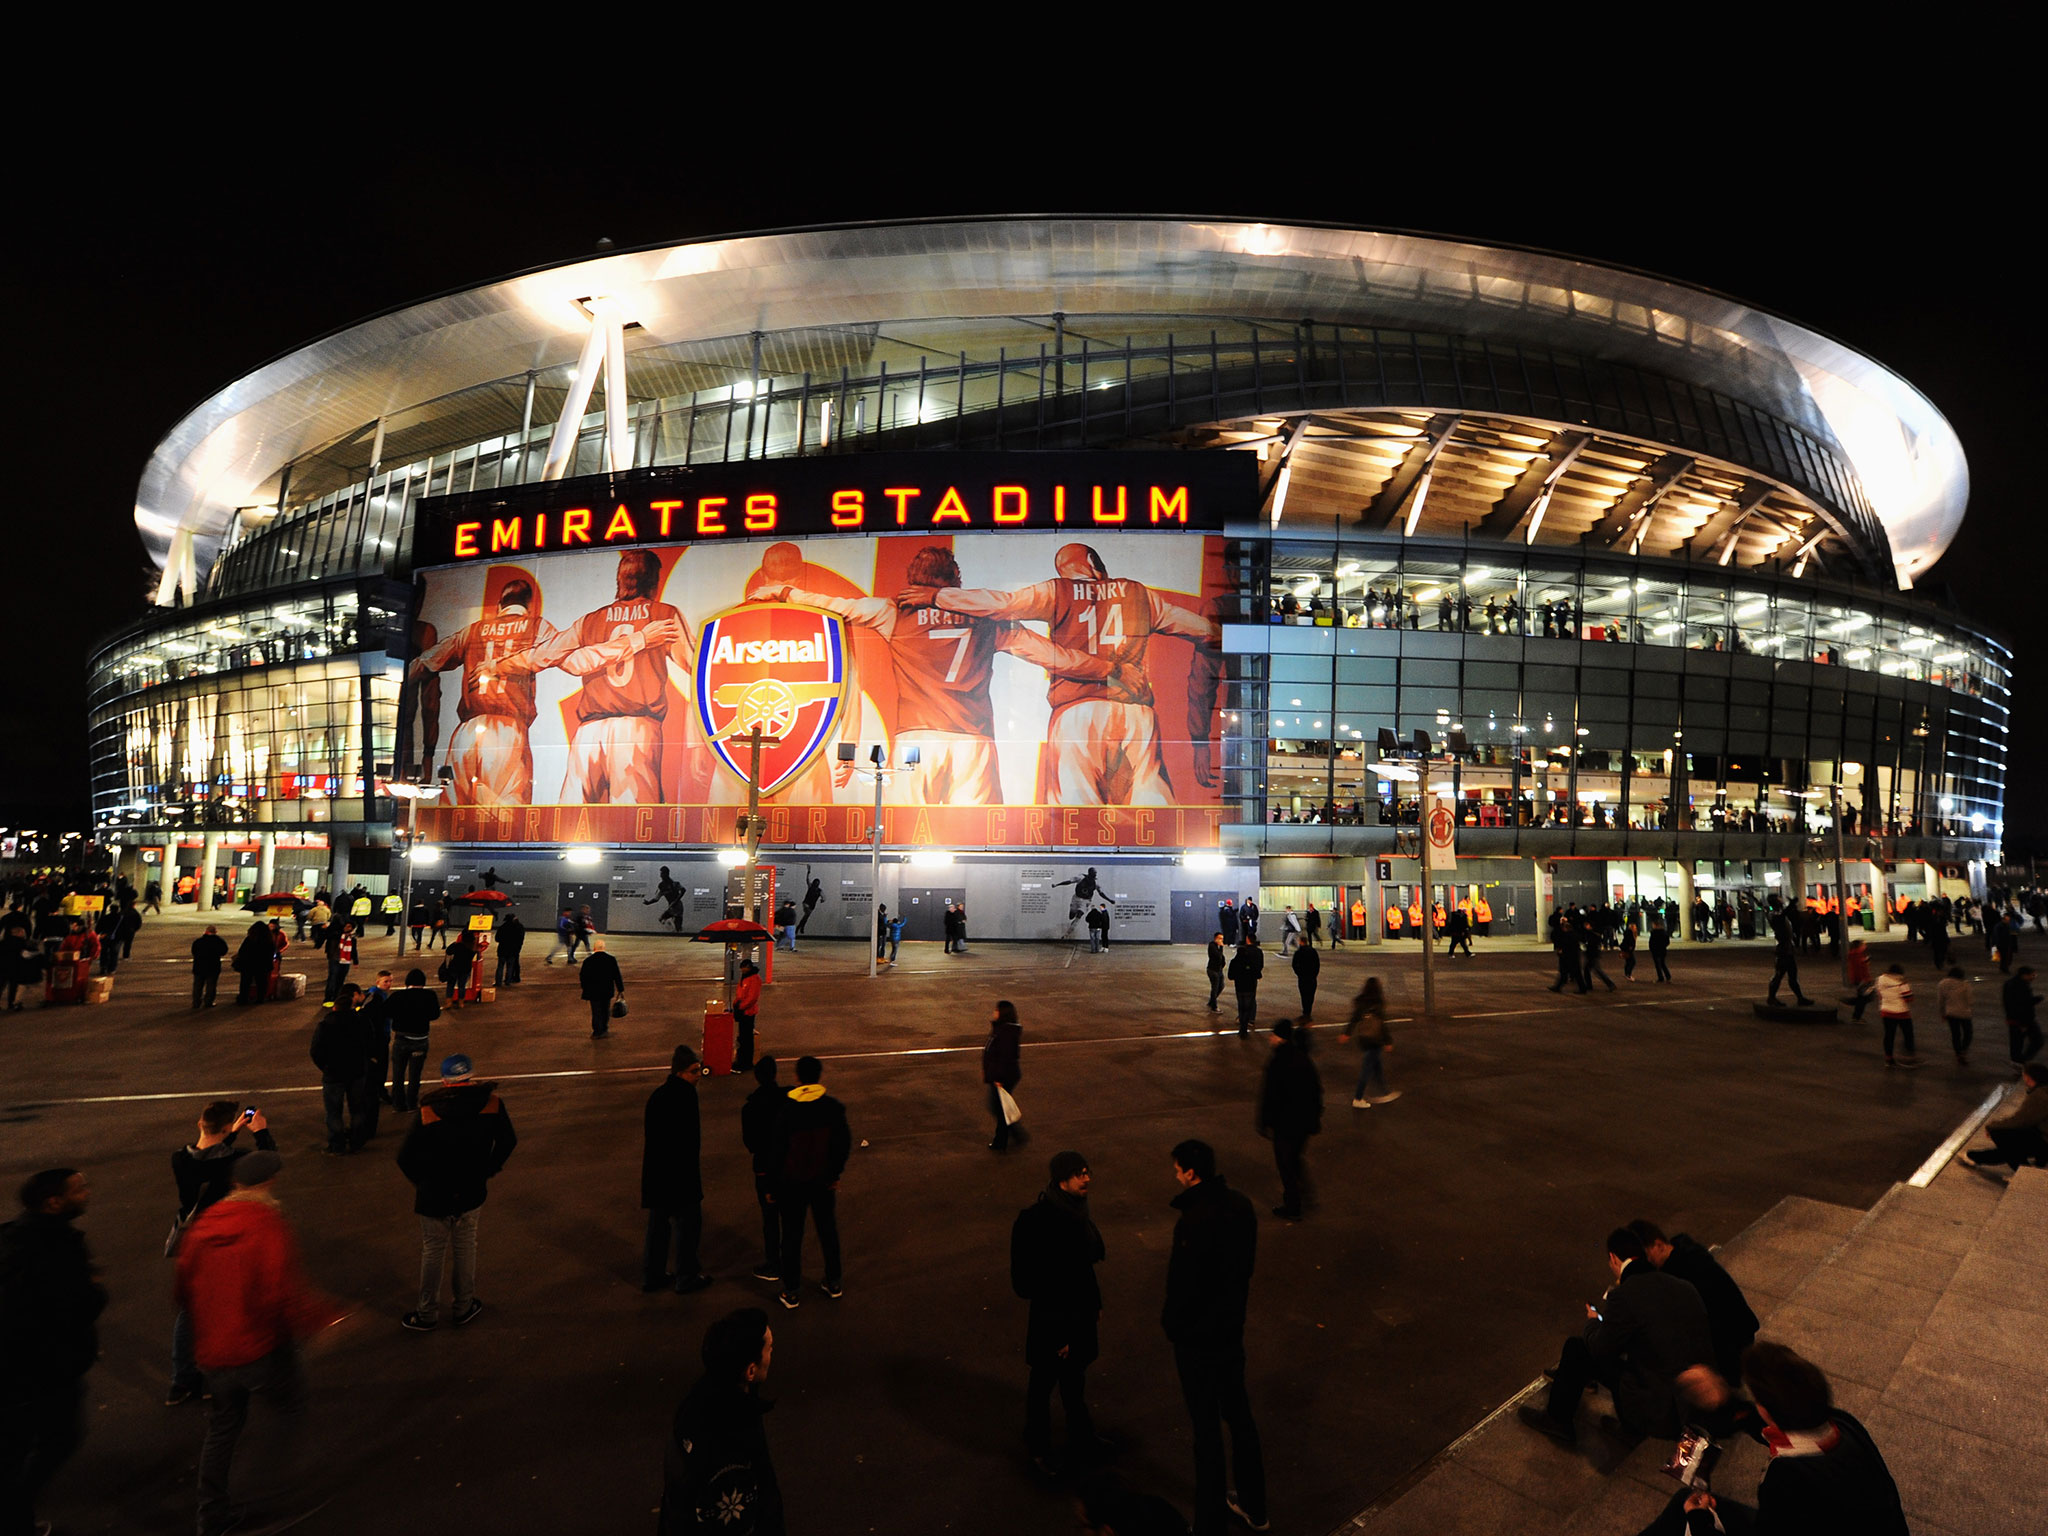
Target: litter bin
(718, 1039)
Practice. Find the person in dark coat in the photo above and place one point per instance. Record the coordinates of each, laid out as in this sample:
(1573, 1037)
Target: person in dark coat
(1787, 957)
(1648, 1331)
(1218, 959)
(1246, 967)
(1825, 1472)
(1248, 919)
(1730, 1321)
(811, 1143)
(1208, 1287)
(457, 1146)
(204, 1171)
(601, 984)
(1660, 946)
(208, 951)
(717, 1476)
(50, 1302)
(1001, 1066)
(1308, 965)
(2023, 1028)
(1226, 921)
(757, 1133)
(1290, 1111)
(253, 962)
(511, 937)
(671, 1178)
(458, 967)
(1054, 1248)
(342, 1049)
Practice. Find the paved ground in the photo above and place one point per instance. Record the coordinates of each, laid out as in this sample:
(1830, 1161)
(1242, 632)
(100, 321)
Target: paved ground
(1457, 1233)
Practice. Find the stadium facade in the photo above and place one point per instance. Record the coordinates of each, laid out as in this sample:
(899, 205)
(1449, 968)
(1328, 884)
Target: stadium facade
(1192, 551)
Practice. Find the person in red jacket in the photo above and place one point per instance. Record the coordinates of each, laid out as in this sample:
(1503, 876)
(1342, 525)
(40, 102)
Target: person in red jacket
(240, 1283)
(746, 1004)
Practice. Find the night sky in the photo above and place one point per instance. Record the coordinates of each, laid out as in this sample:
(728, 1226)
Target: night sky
(138, 289)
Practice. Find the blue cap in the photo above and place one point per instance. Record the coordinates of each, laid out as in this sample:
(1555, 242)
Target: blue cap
(457, 1068)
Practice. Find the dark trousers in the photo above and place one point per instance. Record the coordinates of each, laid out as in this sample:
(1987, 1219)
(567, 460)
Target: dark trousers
(681, 1230)
(278, 1377)
(2022, 1040)
(1247, 1005)
(337, 974)
(362, 1111)
(1788, 970)
(742, 1041)
(600, 1017)
(1592, 969)
(1628, 964)
(1287, 1157)
(1306, 985)
(2020, 1146)
(1962, 1030)
(1663, 970)
(822, 1201)
(42, 1419)
(1576, 1371)
(1215, 988)
(252, 987)
(508, 966)
(1736, 1519)
(1567, 971)
(1071, 1377)
(204, 985)
(1897, 1024)
(1212, 1385)
(407, 1060)
(995, 1110)
(771, 1223)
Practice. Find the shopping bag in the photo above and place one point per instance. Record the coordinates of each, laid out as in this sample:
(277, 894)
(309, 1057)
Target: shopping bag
(619, 1009)
(1011, 1113)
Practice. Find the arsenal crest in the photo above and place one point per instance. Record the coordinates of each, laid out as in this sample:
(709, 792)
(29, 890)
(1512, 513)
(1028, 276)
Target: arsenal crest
(777, 666)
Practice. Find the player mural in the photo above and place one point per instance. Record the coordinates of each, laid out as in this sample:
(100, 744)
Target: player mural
(1059, 694)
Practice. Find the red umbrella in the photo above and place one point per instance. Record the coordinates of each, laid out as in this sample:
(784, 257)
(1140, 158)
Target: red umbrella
(482, 899)
(734, 930)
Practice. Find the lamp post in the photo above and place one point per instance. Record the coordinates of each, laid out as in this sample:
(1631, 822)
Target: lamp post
(878, 769)
(412, 794)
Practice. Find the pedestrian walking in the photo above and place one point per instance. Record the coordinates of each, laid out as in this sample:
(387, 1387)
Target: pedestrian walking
(1246, 967)
(457, 1146)
(393, 908)
(1787, 958)
(746, 1007)
(1589, 959)
(253, 963)
(1660, 946)
(672, 1179)
(320, 916)
(50, 1302)
(1628, 952)
(1290, 930)
(1290, 1111)
(342, 1050)
(127, 924)
(950, 929)
(1958, 1009)
(811, 1145)
(251, 1308)
(419, 919)
(1895, 1012)
(603, 987)
(1862, 990)
(22, 959)
(341, 954)
(204, 1172)
(1001, 1067)
(1217, 961)
(565, 937)
(1308, 965)
(786, 924)
(412, 1010)
(757, 1134)
(586, 933)
(208, 951)
(1565, 945)
(1054, 1248)
(717, 1477)
(2023, 1028)
(511, 937)
(1368, 1030)
(882, 932)
(1208, 1287)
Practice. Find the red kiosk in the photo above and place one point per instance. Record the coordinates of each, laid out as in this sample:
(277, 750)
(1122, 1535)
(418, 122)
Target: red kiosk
(742, 940)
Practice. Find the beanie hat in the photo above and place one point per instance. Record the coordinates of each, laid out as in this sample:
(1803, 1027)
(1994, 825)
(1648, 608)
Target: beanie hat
(1066, 1164)
(1283, 1029)
(258, 1167)
(457, 1068)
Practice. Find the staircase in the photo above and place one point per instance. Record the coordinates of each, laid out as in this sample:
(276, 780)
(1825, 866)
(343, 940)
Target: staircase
(1929, 1313)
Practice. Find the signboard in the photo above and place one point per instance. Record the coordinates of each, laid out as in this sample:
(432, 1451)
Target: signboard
(1084, 494)
(480, 922)
(1385, 871)
(1443, 832)
(1059, 693)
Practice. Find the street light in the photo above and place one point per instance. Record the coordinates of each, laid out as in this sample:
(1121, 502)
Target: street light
(878, 769)
(413, 794)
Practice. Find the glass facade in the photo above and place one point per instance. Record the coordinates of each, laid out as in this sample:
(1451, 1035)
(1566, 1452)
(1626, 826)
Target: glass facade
(1619, 695)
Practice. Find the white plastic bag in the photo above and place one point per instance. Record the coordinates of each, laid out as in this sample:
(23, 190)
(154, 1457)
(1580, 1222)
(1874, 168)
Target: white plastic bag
(1011, 1113)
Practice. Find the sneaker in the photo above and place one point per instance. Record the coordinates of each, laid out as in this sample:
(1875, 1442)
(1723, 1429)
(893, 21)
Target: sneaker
(1250, 1524)
(1909, 1061)
(789, 1300)
(417, 1323)
(833, 1289)
(1361, 1103)
(1388, 1097)
(467, 1314)
(179, 1393)
(763, 1272)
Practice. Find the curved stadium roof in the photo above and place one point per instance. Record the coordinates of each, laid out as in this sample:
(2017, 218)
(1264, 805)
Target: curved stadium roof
(228, 449)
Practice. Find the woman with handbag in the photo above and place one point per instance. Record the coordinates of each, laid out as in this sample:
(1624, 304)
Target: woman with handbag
(1369, 1028)
(1000, 1069)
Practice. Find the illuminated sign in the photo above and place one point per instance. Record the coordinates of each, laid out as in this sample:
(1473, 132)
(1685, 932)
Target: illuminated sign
(945, 493)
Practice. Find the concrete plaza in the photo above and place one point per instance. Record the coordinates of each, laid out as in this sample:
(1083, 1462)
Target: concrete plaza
(1456, 1233)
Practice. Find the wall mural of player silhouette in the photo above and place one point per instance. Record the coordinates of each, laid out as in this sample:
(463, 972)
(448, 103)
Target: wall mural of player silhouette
(668, 892)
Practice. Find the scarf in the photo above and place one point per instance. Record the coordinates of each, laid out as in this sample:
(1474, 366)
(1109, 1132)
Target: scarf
(1076, 1208)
